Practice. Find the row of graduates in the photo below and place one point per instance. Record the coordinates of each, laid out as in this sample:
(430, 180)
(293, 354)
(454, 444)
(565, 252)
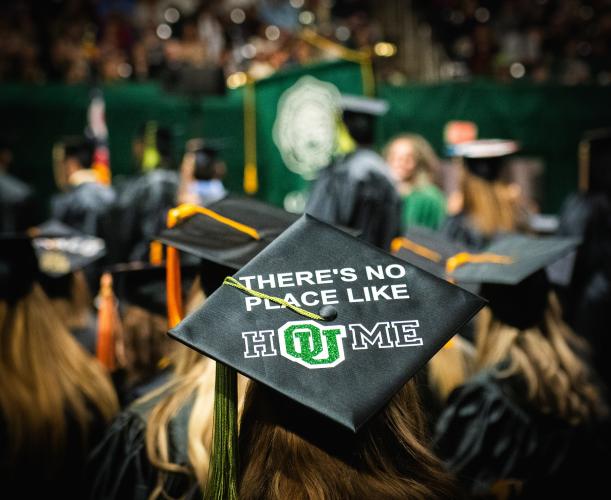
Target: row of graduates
(525, 410)
(525, 415)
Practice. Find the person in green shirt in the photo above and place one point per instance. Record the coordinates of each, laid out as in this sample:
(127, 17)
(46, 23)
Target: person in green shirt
(413, 164)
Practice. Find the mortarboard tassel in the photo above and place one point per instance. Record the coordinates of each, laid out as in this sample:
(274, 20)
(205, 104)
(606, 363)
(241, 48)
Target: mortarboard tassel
(251, 181)
(223, 474)
(107, 321)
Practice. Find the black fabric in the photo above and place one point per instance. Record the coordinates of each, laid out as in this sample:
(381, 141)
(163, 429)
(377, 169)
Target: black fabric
(142, 207)
(119, 469)
(18, 267)
(85, 207)
(356, 191)
(588, 298)
(221, 244)
(354, 379)
(33, 474)
(488, 433)
(17, 204)
(460, 229)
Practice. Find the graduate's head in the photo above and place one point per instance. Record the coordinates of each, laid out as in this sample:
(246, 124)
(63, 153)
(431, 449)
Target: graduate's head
(71, 155)
(44, 373)
(207, 161)
(332, 328)
(359, 115)
(408, 155)
(152, 146)
(490, 202)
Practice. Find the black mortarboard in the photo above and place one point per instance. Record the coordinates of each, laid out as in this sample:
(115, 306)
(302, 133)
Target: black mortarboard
(144, 285)
(517, 273)
(225, 235)
(61, 249)
(513, 272)
(359, 114)
(595, 161)
(484, 157)
(372, 321)
(18, 267)
(228, 233)
(426, 249)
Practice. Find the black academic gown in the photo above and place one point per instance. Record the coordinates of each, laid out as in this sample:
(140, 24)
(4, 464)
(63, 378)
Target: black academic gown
(85, 207)
(16, 205)
(142, 208)
(460, 229)
(356, 191)
(119, 467)
(587, 302)
(33, 475)
(493, 439)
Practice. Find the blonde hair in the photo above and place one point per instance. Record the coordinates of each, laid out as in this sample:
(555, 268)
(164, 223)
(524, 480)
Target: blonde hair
(451, 367)
(287, 451)
(491, 206)
(427, 161)
(45, 375)
(193, 378)
(557, 381)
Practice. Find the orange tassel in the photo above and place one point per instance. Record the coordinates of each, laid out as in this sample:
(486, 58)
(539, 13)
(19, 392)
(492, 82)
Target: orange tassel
(107, 320)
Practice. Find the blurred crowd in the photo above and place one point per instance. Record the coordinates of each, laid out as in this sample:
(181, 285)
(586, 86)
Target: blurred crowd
(565, 41)
(82, 40)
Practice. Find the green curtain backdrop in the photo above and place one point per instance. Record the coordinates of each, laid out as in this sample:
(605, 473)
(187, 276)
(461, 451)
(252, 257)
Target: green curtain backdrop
(547, 120)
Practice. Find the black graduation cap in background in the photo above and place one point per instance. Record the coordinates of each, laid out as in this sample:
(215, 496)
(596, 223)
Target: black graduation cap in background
(366, 323)
(359, 113)
(226, 235)
(595, 161)
(514, 272)
(61, 249)
(18, 267)
(484, 157)
(426, 249)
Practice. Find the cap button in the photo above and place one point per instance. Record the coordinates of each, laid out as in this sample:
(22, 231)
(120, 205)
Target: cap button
(328, 313)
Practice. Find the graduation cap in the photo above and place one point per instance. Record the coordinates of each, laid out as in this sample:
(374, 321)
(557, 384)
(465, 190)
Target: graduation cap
(359, 113)
(18, 267)
(595, 161)
(226, 235)
(426, 249)
(484, 157)
(514, 272)
(328, 321)
(61, 249)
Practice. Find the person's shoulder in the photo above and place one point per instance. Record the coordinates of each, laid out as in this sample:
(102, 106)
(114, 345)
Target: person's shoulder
(13, 189)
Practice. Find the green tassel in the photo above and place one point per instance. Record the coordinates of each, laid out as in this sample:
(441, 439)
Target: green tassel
(223, 474)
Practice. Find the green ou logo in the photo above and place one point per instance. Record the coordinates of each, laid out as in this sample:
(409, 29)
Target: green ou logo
(312, 345)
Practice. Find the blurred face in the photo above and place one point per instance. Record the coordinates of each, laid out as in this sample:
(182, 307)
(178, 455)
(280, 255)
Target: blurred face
(401, 159)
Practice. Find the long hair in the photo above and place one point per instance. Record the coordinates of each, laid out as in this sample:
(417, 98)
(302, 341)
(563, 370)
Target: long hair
(146, 343)
(193, 379)
(545, 357)
(451, 367)
(287, 451)
(427, 162)
(491, 206)
(44, 376)
(74, 311)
